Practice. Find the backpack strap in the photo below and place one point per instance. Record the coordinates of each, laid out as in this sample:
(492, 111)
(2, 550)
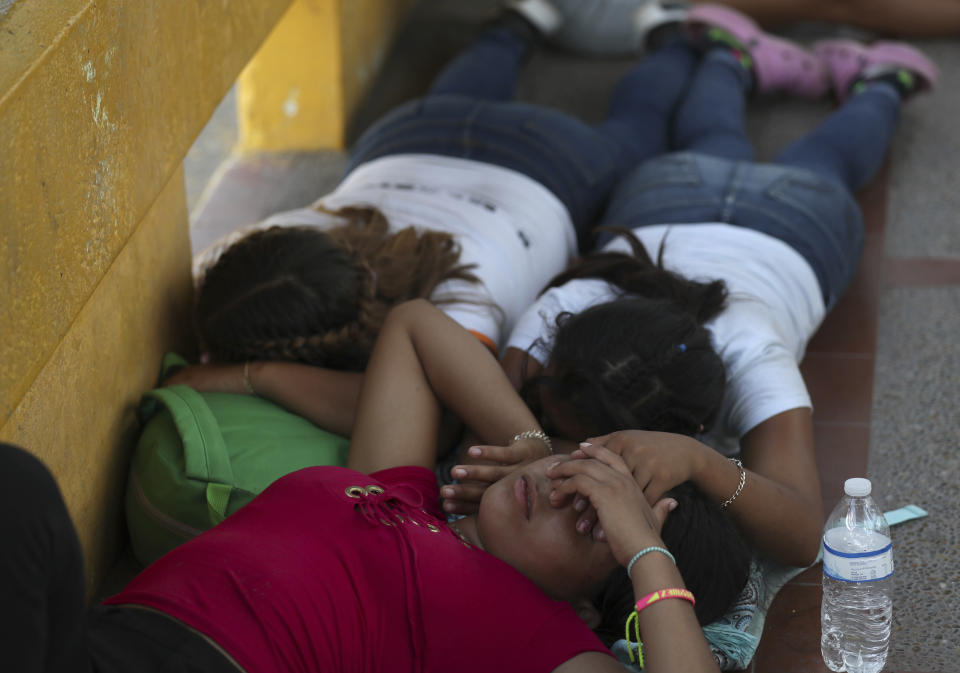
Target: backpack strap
(204, 451)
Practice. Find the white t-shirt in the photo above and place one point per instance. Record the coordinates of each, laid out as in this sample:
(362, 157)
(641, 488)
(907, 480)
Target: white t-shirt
(516, 231)
(774, 307)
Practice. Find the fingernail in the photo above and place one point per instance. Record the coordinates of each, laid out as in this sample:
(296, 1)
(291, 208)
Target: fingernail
(552, 465)
(672, 505)
(583, 526)
(449, 493)
(580, 505)
(448, 506)
(458, 472)
(585, 444)
(474, 451)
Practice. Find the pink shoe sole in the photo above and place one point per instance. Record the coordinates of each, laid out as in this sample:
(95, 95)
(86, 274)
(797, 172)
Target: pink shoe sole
(779, 65)
(846, 60)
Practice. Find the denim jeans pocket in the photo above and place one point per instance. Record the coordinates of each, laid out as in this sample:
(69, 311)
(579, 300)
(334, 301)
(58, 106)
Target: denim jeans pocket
(573, 143)
(666, 190)
(671, 170)
(820, 202)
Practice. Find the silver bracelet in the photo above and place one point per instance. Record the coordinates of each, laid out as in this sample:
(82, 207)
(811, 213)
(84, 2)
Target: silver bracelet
(246, 378)
(743, 480)
(535, 434)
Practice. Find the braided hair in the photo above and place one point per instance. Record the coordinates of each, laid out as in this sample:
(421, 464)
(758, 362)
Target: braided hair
(302, 294)
(644, 360)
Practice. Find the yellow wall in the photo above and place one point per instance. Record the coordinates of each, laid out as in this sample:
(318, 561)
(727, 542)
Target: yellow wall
(291, 103)
(78, 414)
(99, 102)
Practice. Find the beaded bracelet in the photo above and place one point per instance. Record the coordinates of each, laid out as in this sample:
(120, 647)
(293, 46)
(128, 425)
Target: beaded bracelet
(636, 557)
(743, 480)
(535, 434)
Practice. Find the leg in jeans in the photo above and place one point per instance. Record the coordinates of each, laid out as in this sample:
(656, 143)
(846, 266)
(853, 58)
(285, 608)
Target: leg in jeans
(644, 101)
(487, 69)
(710, 119)
(41, 571)
(851, 143)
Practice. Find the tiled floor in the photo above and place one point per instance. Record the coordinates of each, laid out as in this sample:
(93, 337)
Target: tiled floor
(839, 371)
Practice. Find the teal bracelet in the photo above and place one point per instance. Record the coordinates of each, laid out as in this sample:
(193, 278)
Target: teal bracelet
(636, 557)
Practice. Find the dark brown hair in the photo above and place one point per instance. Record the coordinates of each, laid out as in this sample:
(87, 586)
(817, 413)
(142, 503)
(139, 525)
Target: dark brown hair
(319, 297)
(643, 360)
(712, 557)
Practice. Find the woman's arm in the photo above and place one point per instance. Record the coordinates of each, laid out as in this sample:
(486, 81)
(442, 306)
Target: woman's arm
(422, 362)
(779, 510)
(519, 366)
(326, 397)
(672, 637)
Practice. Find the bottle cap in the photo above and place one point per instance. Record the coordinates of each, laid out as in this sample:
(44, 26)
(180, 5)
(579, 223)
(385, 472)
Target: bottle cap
(857, 487)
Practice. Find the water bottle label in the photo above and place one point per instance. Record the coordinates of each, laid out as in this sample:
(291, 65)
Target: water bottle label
(859, 567)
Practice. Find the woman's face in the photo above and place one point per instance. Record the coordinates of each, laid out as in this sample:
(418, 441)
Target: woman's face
(517, 524)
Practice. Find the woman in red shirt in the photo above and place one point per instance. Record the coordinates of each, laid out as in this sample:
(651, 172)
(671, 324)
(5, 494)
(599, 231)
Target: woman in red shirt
(355, 569)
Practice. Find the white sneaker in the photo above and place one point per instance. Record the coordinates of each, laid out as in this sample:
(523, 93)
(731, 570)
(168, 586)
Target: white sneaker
(544, 16)
(613, 27)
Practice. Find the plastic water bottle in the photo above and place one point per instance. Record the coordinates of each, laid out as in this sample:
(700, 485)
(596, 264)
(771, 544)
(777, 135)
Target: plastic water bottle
(857, 583)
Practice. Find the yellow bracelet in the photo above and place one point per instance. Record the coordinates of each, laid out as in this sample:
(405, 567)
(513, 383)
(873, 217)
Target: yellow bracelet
(644, 602)
(635, 618)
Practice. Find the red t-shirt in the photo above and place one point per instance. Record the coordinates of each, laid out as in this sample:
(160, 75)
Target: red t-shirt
(322, 573)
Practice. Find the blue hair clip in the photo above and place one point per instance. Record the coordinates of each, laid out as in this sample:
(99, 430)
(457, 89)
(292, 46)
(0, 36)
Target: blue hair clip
(682, 348)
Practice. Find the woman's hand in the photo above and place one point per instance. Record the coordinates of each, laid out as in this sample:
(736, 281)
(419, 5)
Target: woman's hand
(604, 479)
(658, 461)
(483, 465)
(211, 378)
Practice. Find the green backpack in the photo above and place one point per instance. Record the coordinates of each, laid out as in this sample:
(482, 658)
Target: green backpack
(202, 456)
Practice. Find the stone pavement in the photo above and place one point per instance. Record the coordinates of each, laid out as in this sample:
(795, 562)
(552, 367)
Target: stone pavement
(884, 370)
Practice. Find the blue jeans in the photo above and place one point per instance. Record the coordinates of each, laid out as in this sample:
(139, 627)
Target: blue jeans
(468, 113)
(804, 196)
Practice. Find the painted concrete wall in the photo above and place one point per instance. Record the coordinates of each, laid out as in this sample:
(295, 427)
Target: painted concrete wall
(99, 102)
(290, 103)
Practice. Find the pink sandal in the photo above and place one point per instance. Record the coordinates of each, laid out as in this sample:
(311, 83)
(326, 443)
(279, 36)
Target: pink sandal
(847, 60)
(779, 65)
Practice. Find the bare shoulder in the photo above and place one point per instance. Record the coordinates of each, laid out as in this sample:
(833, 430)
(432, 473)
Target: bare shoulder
(590, 662)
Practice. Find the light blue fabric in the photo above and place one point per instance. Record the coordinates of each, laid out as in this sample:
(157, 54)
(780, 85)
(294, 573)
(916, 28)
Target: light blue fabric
(733, 639)
(905, 513)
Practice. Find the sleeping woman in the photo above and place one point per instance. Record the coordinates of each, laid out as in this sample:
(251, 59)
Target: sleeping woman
(355, 568)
